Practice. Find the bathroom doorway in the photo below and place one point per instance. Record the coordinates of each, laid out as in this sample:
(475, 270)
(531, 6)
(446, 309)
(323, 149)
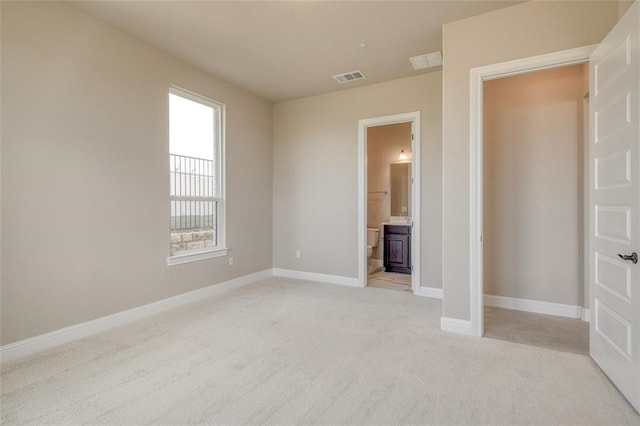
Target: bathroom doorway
(389, 202)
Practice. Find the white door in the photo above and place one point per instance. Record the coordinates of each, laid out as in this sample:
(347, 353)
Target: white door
(615, 205)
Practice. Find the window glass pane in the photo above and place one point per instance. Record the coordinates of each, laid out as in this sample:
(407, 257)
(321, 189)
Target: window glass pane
(191, 128)
(193, 174)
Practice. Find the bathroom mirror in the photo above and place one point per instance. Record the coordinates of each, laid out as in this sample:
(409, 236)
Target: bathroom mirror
(400, 189)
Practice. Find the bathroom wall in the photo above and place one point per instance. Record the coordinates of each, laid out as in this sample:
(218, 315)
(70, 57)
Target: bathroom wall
(384, 144)
(533, 185)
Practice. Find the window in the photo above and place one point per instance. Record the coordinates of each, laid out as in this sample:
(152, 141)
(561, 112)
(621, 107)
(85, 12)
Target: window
(196, 177)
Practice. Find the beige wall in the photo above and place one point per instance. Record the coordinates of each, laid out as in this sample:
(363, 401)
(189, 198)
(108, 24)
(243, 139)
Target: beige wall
(533, 212)
(85, 209)
(384, 144)
(623, 6)
(519, 31)
(316, 168)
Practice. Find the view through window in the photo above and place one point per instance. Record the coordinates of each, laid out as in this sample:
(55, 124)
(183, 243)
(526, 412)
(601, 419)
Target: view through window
(195, 173)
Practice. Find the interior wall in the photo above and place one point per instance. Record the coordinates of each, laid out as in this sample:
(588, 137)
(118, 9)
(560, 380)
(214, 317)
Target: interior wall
(316, 174)
(527, 29)
(623, 6)
(384, 144)
(85, 184)
(533, 184)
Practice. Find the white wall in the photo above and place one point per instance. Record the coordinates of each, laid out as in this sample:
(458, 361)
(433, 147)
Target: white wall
(316, 167)
(384, 144)
(533, 211)
(85, 139)
(520, 31)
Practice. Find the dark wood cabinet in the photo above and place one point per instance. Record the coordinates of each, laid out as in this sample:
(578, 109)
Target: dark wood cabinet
(397, 248)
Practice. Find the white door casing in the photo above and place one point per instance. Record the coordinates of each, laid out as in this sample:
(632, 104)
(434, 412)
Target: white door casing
(478, 76)
(614, 192)
(414, 119)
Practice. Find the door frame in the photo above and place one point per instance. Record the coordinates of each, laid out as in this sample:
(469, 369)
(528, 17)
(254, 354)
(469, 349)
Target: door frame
(363, 125)
(477, 77)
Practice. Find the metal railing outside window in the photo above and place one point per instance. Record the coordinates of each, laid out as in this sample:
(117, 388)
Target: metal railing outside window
(194, 202)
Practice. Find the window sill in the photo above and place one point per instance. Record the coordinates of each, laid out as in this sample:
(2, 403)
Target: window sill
(195, 256)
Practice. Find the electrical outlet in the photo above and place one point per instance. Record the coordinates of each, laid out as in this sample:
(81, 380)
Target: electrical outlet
(230, 261)
(298, 254)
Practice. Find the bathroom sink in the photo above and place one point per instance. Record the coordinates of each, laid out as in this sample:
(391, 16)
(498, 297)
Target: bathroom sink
(399, 220)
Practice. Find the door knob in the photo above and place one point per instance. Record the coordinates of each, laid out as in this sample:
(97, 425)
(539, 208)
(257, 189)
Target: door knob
(633, 257)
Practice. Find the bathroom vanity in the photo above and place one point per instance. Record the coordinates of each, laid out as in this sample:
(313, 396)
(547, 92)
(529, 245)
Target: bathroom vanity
(397, 248)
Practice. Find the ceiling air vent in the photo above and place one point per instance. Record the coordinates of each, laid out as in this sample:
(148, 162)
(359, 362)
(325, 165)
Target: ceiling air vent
(349, 76)
(426, 61)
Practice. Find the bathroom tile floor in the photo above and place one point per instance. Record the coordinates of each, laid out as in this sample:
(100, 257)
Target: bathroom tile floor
(390, 280)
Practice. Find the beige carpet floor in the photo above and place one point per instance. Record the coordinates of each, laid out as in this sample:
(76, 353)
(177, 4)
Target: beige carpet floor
(563, 334)
(390, 280)
(284, 351)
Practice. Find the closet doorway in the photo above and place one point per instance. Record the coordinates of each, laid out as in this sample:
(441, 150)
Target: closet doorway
(534, 144)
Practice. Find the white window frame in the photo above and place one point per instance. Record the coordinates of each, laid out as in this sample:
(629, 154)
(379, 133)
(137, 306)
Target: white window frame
(221, 248)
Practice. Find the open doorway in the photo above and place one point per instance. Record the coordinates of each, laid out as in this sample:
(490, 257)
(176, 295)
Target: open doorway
(389, 161)
(389, 201)
(479, 76)
(533, 208)
(532, 155)
(533, 218)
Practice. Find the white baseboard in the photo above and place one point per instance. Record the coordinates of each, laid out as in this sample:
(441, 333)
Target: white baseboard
(313, 276)
(537, 306)
(454, 325)
(585, 315)
(64, 335)
(433, 292)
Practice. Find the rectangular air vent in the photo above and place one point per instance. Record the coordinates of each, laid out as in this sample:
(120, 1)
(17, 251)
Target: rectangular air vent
(349, 76)
(426, 61)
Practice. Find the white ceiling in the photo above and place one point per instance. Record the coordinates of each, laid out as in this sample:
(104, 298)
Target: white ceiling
(286, 50)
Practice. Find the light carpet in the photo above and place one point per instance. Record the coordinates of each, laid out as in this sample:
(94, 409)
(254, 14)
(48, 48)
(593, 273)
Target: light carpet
(284, 351)
(549, 331)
